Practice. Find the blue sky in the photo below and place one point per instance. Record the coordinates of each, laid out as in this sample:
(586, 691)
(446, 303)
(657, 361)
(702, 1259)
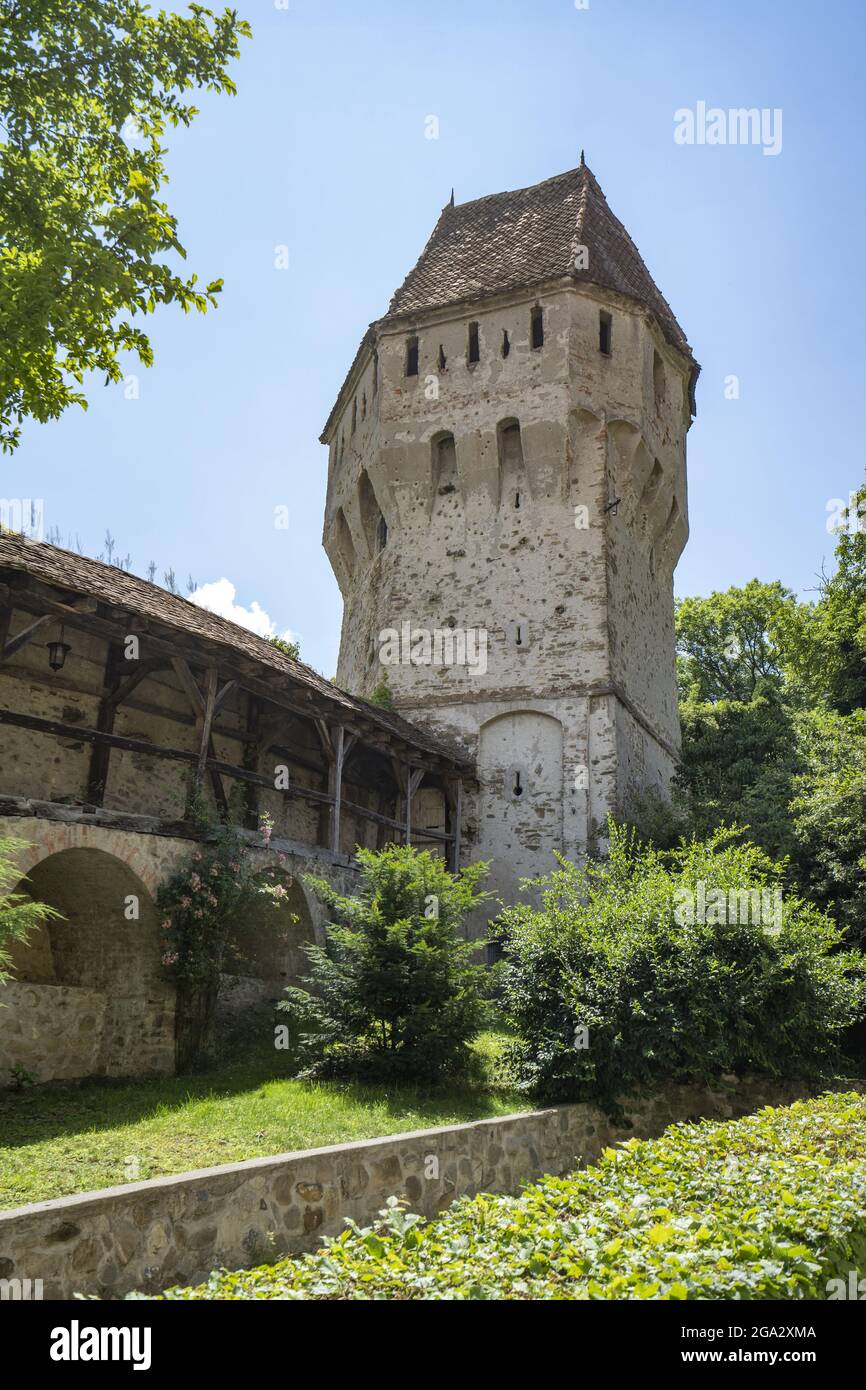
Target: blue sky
(324, 151)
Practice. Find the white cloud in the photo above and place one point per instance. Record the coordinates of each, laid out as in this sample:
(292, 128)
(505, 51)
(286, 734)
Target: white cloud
(219, 597)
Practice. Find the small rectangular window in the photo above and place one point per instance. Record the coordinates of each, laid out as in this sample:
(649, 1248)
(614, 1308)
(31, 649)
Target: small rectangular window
(474, 354)
(412, 357)
(605, 333)
(354, 414)
(537, 326)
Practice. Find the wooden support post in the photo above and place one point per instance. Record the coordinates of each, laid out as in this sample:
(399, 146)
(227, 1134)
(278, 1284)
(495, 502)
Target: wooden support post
(456, 821)
(337, 792)
(414, 777)
(5, 620)
(251, 759)
(206, 724)
(100, 756)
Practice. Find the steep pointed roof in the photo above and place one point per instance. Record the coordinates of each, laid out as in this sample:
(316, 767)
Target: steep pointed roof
(514, 240)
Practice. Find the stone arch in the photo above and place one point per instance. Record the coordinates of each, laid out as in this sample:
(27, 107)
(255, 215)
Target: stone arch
(54, 837)
(277, 957)
(520, 832)
(513, 483)
(443, 464)
(108, 934)
(88, 994)
(372, 518)
(344, 545)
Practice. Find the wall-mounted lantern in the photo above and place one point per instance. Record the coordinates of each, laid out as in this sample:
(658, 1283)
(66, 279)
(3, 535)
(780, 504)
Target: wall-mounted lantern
(58, 652)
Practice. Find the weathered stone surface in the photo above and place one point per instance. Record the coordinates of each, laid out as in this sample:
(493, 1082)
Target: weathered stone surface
(90, 997)
(536, 495)
(149, 1234)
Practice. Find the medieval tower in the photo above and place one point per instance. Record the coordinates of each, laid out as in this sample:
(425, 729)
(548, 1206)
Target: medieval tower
(506, 504)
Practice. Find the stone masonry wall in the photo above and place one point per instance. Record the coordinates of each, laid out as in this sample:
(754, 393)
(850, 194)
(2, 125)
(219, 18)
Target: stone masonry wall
(88, 997)
(149, 1235)
(558, 540)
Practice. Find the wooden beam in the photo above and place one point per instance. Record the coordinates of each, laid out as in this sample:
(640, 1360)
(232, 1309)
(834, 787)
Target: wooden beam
(337, 776)
(210, 694)
(26, 635)
(302, 702)
(187, 680)
(226, 690)
(58, 729)
(142, 671)
(456, 822)
(414, 776)
(100, 755)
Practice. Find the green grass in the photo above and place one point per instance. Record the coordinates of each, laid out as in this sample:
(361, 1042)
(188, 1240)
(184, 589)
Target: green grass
(56, 1140)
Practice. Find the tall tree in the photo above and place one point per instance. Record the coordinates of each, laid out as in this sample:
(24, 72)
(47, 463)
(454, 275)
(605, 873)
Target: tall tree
(727, 644)
(825, 642)
(87, 90)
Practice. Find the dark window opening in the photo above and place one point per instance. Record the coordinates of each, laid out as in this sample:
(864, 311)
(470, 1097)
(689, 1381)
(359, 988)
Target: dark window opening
(442, 360)
(506, 343)
(518, 636)
(381, 534)
(605, 333)
(517, 788)
(517, 501)
(658, 378)
(537, 326)
(375, 372)
(474, 354)
(364, 406)
(354, 414)
(412, 357)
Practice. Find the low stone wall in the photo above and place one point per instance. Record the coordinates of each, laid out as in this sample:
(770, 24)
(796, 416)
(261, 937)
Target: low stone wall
(149, 1235)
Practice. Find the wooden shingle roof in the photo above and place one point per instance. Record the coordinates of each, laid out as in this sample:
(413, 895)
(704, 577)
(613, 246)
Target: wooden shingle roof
(108, 584)
(515, 240)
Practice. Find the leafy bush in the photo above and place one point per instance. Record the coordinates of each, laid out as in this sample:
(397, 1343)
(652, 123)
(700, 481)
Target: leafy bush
(394, 994)
(612, 950)
(19, 914)
(769, 1207)
(204, 904)
(829, 816)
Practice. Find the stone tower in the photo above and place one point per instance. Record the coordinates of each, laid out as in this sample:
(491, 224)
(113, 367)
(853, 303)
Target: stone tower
(506, 504)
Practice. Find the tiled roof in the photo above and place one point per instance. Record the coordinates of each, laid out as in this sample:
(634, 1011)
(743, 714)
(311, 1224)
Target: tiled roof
(107, 583)
(514, 240)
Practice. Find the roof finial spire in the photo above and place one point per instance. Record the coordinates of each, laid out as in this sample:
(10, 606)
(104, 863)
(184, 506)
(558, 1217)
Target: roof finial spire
(582, 160)
(451, 204)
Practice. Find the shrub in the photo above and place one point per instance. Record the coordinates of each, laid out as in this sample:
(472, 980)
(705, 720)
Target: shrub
(614, 950)
(203, 905)
(394, 995)
(19, 914)
(769, 1207)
